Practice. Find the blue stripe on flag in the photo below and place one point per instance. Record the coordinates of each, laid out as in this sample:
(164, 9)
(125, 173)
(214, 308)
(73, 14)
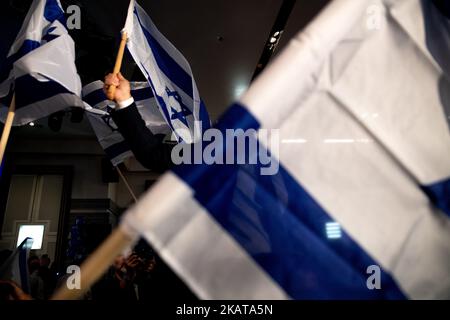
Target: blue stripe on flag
(142, 94)
(117, 149)
(29, 90)
(160, 100)
(167, 64)
(283, 228)
(53, 12)
(439, 194)
(95, 97)
(27, 47)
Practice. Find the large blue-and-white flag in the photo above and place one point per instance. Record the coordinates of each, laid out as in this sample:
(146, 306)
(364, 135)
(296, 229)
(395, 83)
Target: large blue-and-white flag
(40, 66)
(168, 74)
(16, 267)
(98, 112)
(359, 208)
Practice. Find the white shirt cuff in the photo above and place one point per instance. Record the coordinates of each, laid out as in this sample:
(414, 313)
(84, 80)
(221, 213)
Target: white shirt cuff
(125, 103)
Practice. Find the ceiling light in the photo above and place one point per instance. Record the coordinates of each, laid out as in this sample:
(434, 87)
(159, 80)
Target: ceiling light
(239, 90)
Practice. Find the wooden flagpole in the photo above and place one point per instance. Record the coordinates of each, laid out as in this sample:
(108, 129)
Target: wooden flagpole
(127, 185)
(7, 128)
(97, 264)
(118, 65)
(110, 95)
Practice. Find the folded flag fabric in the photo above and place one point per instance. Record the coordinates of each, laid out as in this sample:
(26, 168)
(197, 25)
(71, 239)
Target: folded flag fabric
(40, 66)
(16, 267)
(98, 112)
(168, 74)
(359, 208)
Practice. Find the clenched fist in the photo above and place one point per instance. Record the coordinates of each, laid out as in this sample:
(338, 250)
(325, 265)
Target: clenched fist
(123, 89)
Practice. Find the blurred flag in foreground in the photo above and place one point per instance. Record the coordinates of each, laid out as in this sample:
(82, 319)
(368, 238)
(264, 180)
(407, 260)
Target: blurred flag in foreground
(16, 267)
(168, 74)
(98, 113)
(40, 66)
(359, 208)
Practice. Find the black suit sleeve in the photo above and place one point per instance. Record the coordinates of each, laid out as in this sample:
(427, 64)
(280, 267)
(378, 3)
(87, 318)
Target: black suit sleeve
(148, 148)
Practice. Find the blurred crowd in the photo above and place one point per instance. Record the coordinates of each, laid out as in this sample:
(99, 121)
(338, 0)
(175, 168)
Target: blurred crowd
(138, 276)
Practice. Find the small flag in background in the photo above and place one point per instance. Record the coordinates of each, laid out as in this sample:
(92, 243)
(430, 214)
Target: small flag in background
(359, 208)
(40, 66)
(168, 74)
(110, 139)
(16, 267)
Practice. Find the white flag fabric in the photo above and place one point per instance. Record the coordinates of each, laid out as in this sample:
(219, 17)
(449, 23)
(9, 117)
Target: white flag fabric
(168, 74)
(360, 206)
(40, 66)
(98, 112)
(16, 267)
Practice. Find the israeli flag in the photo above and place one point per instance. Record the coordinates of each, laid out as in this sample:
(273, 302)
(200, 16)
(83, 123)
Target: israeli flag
(98, 112)
(16, 267)
(168, 74)
(359, 208)
(40, 66)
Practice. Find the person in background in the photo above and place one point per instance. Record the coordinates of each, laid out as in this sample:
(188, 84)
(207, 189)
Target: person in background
(36, 282)
(118, 283)
(47, 276)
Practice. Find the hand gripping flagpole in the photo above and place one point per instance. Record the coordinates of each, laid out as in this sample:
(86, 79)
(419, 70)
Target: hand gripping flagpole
(126, 32)
(118, 65)
(7, 128)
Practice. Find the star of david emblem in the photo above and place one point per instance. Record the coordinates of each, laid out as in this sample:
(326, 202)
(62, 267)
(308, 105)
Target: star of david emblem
(49, 36)
(175, 113)
(107, 119)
